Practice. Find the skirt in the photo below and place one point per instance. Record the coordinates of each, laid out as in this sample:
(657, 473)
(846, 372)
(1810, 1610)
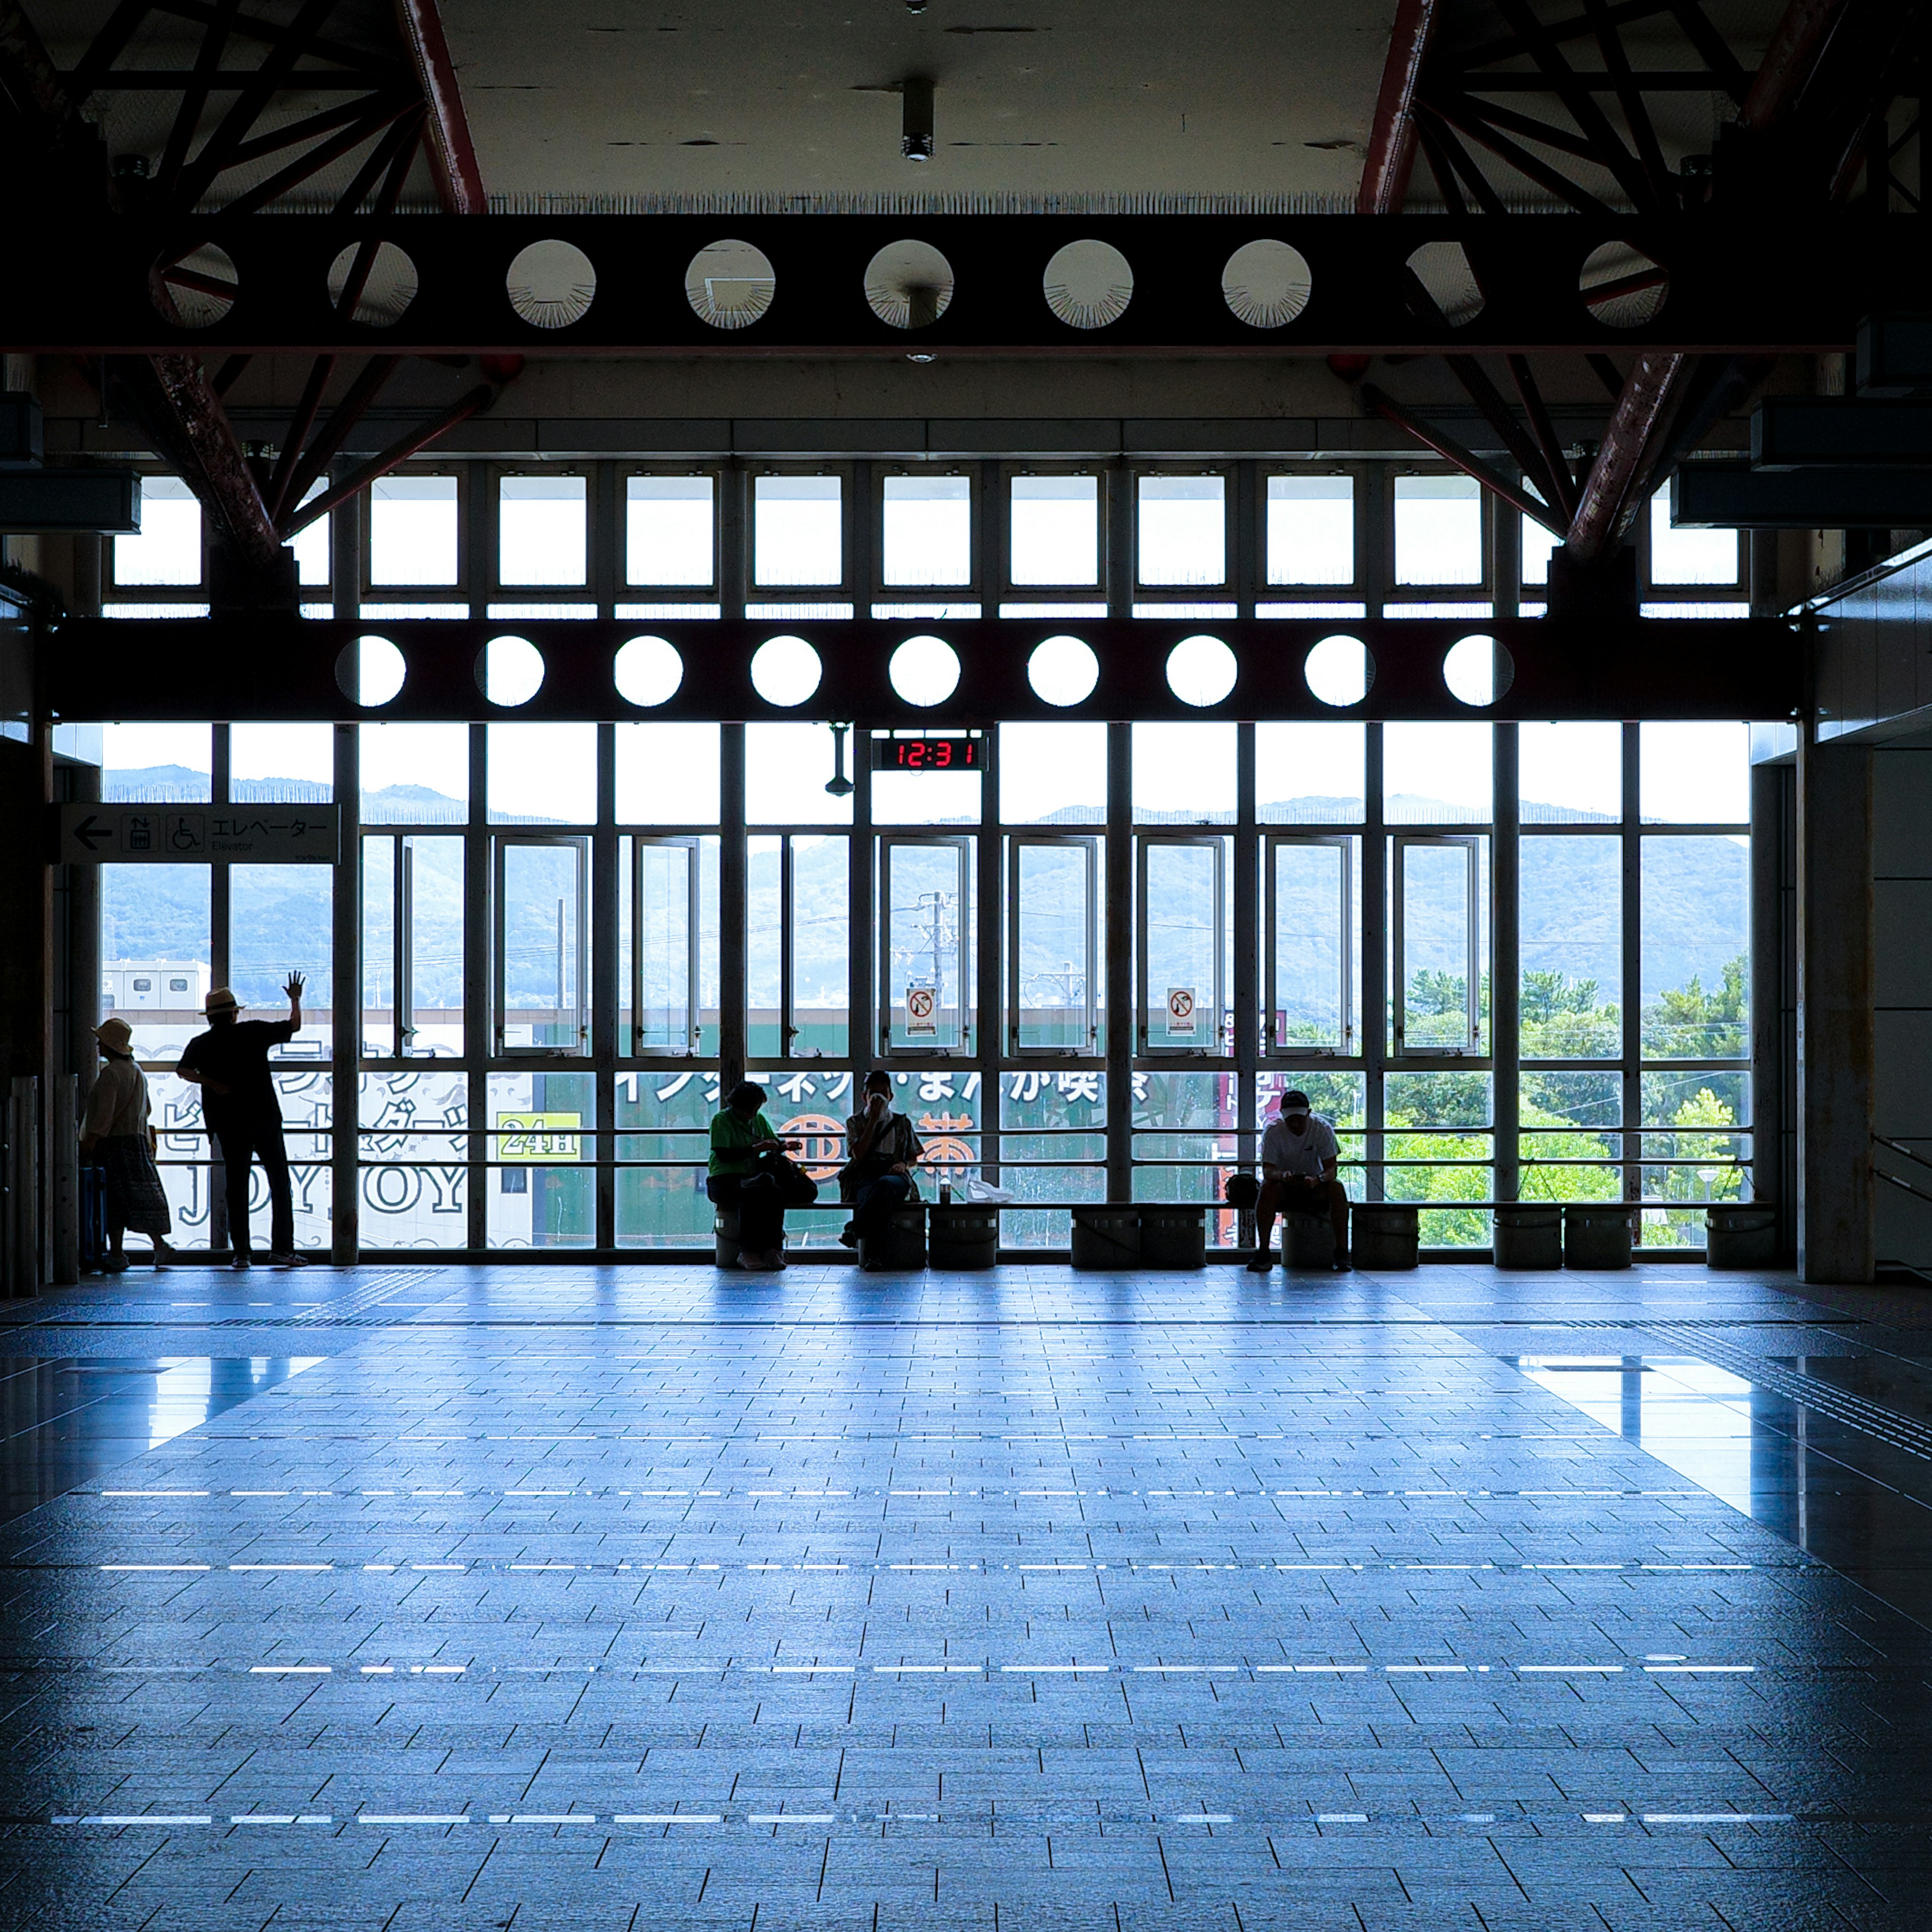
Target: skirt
(135, 1198)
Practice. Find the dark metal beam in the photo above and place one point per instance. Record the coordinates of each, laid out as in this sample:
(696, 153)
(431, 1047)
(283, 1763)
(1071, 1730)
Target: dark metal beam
(1607, 503)
(1391, 151)
(1724, 496)
(412, 443)
(452, 153)
(286, 669)
(1753, 281)
(1452, 451)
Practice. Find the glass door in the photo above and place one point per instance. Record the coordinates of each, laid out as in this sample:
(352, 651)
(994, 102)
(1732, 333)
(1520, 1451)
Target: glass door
(1052, 945)
(1435, 990)
(664, 946)
(924, 953)
(1308, 925)
(541, 900)
(1182, 919)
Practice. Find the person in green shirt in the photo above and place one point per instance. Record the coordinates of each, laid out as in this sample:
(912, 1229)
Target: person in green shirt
(750, 1176)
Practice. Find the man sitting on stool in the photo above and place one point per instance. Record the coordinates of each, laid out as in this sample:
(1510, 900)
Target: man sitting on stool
(1299, 1158)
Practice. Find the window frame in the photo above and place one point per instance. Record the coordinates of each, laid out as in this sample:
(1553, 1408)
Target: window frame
(1399, 843)
(501, 844)
(688, 844)
(623, 590)
(972, 590)
(1092, 843)
(1096, 591)
(755, 591)
(885, 843)
(1348, 844)
(1209, 1045)
(1184, 593)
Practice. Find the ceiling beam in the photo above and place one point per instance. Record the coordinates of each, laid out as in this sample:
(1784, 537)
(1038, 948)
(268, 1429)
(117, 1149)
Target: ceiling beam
(1391, 151)
(452, 154)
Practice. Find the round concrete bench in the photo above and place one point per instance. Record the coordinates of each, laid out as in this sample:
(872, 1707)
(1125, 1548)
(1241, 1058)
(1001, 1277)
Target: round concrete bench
(1106, 1238)
(1173, 1236)
(724, 1236)
(1384, 1235)
(962, 1236)
(1529, 1235)
(1598, 1234)
(900, 1246)
(1307, 1241)
(1743, 1235)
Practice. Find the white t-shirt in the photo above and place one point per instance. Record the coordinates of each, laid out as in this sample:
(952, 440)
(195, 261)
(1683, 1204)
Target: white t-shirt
(1308, 1152)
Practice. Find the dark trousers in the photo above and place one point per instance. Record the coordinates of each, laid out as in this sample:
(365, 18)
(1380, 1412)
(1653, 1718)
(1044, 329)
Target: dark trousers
(238, 1142)
(759, 1200)
(875, 1204)
(1290, 1197)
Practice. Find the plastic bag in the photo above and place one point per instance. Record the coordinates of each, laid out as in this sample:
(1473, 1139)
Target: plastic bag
(978, 1188)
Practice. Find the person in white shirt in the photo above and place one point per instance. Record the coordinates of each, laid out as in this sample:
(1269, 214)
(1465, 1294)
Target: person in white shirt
(1299, 1159)
(116, 1136)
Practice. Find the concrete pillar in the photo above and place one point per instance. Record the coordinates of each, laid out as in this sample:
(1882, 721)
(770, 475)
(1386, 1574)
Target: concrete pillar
(345, 1018)
(732, 962)
(1118, 945)
(1835, 1037)
(1772, 994)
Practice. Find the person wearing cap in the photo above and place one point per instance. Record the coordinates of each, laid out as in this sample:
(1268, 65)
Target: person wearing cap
(230, 1064)
(116, 1137)
(1299, 1160)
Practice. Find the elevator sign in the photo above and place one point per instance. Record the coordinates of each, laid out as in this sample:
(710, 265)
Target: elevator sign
(198, 835)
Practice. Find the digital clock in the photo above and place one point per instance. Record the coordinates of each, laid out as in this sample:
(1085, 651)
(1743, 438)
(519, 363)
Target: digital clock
(929, 754)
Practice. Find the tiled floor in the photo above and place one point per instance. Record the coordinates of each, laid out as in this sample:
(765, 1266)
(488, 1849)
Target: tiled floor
(595, 1598)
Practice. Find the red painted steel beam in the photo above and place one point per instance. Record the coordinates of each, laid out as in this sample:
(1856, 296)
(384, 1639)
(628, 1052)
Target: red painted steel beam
(452, 153)
(1391, 154)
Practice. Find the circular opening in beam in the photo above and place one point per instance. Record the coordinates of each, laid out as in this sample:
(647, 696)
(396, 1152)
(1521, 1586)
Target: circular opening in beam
(551, 284)
(509, 671)
(195, 288)
(1063, 670)
(383, 282)
(370, 671)
(1088, 284)
(785, 671)
(647, 671)
(1478, 671)
(1266, 284)
(1201, 671)
(925, 670)
(909, 284)
(1339, 670)
(1623, 287)
(729, 284)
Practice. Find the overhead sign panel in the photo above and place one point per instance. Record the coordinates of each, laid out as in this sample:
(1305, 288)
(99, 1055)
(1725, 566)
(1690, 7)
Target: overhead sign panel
(198, 835)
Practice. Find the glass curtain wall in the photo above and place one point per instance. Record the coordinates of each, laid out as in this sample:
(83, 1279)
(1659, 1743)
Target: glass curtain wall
(543, 1022)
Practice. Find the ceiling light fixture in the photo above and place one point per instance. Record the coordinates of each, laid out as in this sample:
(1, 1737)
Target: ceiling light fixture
(915, 128)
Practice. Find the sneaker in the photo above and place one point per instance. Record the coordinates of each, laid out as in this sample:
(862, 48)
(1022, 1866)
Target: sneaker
(848, 1236)
(116, 1264)
(290, 1260)
(240, 1263)
(775, 1261)
(1341, 1264)
(1261, 1264)
(754, 1264)
(165, 1256)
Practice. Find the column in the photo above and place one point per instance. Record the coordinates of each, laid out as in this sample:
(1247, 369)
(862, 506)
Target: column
(1117, 943)
(345, 1013)
(1835, 1033)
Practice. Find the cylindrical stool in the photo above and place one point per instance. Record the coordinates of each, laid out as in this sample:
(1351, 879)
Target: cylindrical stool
(900, 1245)
(1384, 1235)
(1741, 1236)
(1173, 1236)
(1529, 1236)
(1307, 1241)
(1597, 1234)
(962, 1238)
(724, 1233)
(1106, 1238)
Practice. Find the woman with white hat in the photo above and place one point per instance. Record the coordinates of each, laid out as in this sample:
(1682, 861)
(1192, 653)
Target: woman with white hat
(116, 1135)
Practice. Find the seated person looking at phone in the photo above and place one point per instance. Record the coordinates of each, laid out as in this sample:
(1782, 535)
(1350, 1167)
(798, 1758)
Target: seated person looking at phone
(1299, 1160)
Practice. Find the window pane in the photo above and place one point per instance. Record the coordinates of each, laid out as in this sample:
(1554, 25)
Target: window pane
(541, 923)
(1310, 774)
(1056, 529)
(1439, 529)
(279, 922)
(160, 764)
(168, 549)
(1311, 530)
(154, 952)
(415, 774)
(926, 944)
(1441, 898)
(1569, 772)
(1183, 774)
(820, 946)
(1438, 1147)
(287, 763)
(668, 774)
(540, 529)
(660, 992)
(1538, 543)
(1695, 774)
(310, 543)
(1053, 774)
(1690, 557)
(787, 769)
(1702, 1155)
(1696, 948)
(797, 529)
(668, 530)
(544, 1193)
(1054, 925)
(543, 774)
(1184, 926)
(1313, 991)
(412, 530)
(1437, 774)
(1567, 1143)
(1182, 530)
(1572, 948)
(928, 529)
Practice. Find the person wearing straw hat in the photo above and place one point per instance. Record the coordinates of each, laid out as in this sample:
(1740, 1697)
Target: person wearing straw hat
(116, 1136)
(230, 1064)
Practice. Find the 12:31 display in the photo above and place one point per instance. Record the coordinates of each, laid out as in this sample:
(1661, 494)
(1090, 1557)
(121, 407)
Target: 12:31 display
(929, 754)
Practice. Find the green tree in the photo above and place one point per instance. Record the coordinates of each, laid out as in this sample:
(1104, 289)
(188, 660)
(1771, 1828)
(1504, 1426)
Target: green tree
(1687, 1023)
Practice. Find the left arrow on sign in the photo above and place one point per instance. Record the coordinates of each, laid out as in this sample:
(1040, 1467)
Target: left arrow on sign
(92, 835)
